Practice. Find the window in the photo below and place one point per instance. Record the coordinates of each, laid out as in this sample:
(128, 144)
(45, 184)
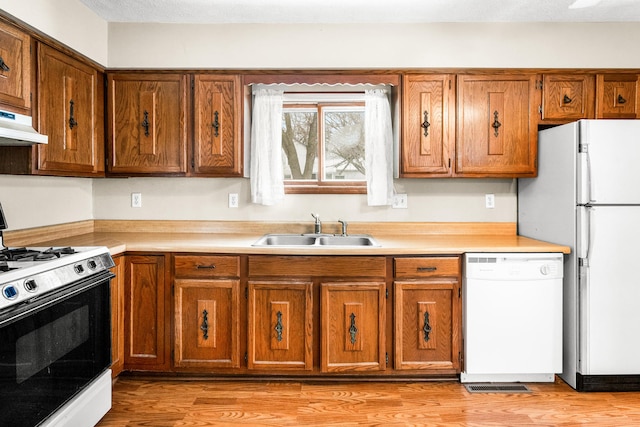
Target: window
(323, 147)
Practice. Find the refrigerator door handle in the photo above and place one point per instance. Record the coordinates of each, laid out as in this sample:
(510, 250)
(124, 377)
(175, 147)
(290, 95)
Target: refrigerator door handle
(585, 186)
(584, 239)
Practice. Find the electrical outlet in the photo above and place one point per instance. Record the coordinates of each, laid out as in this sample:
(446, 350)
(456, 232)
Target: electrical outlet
(490, 201)
(233, 200)
(399, 201)
(136, 200)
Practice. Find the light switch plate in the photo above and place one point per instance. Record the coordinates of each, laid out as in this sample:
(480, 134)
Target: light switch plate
(399, 201)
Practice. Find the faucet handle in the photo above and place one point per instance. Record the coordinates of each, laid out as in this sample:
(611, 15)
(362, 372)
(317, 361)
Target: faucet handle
(316, 217)
(344, 226)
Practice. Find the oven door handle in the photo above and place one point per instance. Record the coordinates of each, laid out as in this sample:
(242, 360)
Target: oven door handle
(28, 307)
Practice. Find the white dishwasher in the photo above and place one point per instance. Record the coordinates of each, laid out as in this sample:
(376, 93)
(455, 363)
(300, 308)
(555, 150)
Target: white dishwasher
(512, 317)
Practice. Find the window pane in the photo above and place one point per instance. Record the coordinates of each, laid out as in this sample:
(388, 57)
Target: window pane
(344, 144)
(300, 144)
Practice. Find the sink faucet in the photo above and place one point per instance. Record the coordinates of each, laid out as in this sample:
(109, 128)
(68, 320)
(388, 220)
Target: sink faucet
(317, 227)
(344, 226)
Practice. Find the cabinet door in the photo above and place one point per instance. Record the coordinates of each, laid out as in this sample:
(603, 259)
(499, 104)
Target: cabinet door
(617, 96)
(428, 128)
(497, 129)
(568, 97)
(117, 316)
(280, 320)
(15, 67)
(70, 113)
(207, 314)
(352, 326)
(146, 314)
(427, 322)
(147, 116)
(217, 125)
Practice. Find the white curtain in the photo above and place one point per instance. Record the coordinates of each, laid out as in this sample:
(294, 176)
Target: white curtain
(267, 176)
(378, 148)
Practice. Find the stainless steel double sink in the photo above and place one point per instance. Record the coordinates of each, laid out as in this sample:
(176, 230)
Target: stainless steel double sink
(323, 240)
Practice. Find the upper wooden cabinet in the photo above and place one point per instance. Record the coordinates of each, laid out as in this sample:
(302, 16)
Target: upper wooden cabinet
(567, 97)
(217, 124)
(496, 125)
(147, 116)
(71, 113)
(428, 126)
(617, 96)
(15, 67)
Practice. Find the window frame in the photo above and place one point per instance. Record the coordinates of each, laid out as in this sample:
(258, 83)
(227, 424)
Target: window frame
(320, 185)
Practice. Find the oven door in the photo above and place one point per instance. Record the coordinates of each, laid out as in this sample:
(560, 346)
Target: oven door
(50, 349)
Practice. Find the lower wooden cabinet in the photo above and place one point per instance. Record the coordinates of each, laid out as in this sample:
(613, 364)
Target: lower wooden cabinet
(146, 310)
(427, 325)
(299, 316)
(117, 316)
(207, 316)
(206, 301)
(353, 326)
(427, 314)
(280, 320)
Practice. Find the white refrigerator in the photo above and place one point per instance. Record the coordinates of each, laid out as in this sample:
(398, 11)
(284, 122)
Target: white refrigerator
(587, 196)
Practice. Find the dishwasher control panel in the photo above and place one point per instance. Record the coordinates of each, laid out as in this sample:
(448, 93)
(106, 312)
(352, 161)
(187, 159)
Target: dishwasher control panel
(509, 266)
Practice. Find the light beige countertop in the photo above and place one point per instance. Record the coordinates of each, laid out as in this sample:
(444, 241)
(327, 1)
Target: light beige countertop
(238, 237)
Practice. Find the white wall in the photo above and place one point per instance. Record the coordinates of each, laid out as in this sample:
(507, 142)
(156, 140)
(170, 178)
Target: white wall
(68, 21)
(32, 201)
(519, 45)
(280, 46)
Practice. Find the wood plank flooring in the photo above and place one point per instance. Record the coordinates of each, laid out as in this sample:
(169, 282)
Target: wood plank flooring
(143, 402)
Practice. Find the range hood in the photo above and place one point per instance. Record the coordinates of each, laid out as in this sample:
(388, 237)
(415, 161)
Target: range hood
(17, 129)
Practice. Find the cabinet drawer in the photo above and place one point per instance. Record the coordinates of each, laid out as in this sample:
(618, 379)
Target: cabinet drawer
(325, 266)
(427, 266)
(200, 266)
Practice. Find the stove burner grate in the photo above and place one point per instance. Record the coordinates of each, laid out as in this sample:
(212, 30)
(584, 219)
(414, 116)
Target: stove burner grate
(24, 254)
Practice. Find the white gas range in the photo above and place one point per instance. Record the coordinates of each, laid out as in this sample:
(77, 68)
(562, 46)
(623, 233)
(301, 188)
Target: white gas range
(55, 335)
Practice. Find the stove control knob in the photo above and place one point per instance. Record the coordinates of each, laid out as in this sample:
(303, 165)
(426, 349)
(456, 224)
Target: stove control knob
(78, 268)
(92, 264)
(10, 292)
(30, 285)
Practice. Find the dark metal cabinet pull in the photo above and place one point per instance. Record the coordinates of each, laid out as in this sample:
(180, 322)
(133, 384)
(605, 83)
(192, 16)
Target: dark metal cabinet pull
(72, 120)
(216, 124)
(3, 65)
(621, 99)
(426, 329)
(205, 325)
(566, 100)
(145, 123)
(205, 267)
(278, 327)
(496, 124)
(353, 330)
(425, 124)
(422, 269)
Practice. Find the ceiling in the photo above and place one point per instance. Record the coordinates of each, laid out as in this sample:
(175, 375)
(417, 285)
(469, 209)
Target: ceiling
(364, 11)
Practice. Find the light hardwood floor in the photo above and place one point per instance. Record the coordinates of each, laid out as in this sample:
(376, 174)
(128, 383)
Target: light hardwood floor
(141, 402)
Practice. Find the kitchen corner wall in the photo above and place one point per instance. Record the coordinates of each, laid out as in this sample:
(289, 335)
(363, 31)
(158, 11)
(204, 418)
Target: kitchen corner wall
(37, 201)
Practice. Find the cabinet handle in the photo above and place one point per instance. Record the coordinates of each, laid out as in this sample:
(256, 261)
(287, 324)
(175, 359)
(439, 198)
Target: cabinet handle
(353, 330)
(278, 327)
(145, 123)
(425, 124)
(216, 124)
(205, 325)
(422, 269)
(621, 100)
(566, 100)
(205, 267)
(3, 65)
(426, 329)
(496, 124)
(72, 119)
